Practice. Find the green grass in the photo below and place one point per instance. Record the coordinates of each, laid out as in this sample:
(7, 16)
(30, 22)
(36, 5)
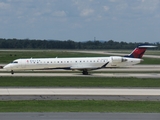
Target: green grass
(8, 56)
(150, 61)
(80, 106)
(78, 82)
(152, 52)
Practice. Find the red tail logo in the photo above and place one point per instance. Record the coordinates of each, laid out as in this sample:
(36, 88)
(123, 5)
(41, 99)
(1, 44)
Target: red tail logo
(139, 51)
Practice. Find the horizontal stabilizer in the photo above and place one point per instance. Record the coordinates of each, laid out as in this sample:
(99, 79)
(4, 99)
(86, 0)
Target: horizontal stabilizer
(147, 46)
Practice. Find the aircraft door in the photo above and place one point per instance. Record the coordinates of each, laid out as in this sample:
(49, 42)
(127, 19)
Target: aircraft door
(23, 63)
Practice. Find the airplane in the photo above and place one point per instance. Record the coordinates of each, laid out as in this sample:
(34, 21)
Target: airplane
(83, 64)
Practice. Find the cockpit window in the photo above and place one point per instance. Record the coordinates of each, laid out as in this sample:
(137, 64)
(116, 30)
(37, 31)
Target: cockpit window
(15, 62)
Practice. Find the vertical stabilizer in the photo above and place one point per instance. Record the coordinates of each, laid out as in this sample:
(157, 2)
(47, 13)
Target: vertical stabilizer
(139, 51)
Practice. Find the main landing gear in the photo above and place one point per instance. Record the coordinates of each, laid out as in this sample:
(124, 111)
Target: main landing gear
(85, 72)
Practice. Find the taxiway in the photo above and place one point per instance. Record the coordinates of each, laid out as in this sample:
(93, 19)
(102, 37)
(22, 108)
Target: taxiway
(137, 75)
(78, 91)
(129, 94)
(80, 116)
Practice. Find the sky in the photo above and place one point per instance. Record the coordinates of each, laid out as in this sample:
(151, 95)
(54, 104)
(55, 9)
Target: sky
(81, 20)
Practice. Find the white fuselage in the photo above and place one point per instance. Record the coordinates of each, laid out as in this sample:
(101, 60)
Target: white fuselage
(89, 63)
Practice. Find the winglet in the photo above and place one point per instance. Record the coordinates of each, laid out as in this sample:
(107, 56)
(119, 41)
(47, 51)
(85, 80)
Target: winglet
(139, 51)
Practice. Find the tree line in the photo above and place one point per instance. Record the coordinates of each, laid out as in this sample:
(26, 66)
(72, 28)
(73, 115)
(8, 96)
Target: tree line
(67, 44)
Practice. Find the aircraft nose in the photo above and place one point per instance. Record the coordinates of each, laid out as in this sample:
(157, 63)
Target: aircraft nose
(7, 67)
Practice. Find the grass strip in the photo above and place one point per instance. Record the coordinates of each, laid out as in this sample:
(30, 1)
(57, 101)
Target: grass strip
(8, 56)
(150, 61)
(78, 82)
(80, 106)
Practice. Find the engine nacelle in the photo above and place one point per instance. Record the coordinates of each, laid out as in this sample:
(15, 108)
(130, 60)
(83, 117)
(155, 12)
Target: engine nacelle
(117, 59)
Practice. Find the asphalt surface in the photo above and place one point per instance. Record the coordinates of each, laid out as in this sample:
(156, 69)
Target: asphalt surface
(79, 116)
(145, 71)
(137, 75)
(79, 94)
(80, 97)
(79, 91)
(128, 68)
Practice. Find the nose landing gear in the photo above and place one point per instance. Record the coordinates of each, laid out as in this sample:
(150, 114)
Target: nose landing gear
(12, 72)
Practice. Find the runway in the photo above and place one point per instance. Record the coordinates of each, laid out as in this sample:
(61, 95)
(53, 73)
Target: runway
(137, 75)
(130, 94)
(139, 71)
(79, 91)
(128, 68)
(80, 116)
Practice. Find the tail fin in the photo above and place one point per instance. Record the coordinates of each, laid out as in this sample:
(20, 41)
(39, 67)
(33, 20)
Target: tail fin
(139, 51)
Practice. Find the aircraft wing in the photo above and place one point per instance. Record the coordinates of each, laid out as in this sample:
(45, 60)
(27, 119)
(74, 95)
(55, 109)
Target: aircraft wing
(78, 67)
(81, 67)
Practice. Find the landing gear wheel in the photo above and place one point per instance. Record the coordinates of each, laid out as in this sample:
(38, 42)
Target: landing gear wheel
(85, 72)
(12, 72)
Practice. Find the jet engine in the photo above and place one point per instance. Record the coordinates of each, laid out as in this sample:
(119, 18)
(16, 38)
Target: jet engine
(117, 59)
